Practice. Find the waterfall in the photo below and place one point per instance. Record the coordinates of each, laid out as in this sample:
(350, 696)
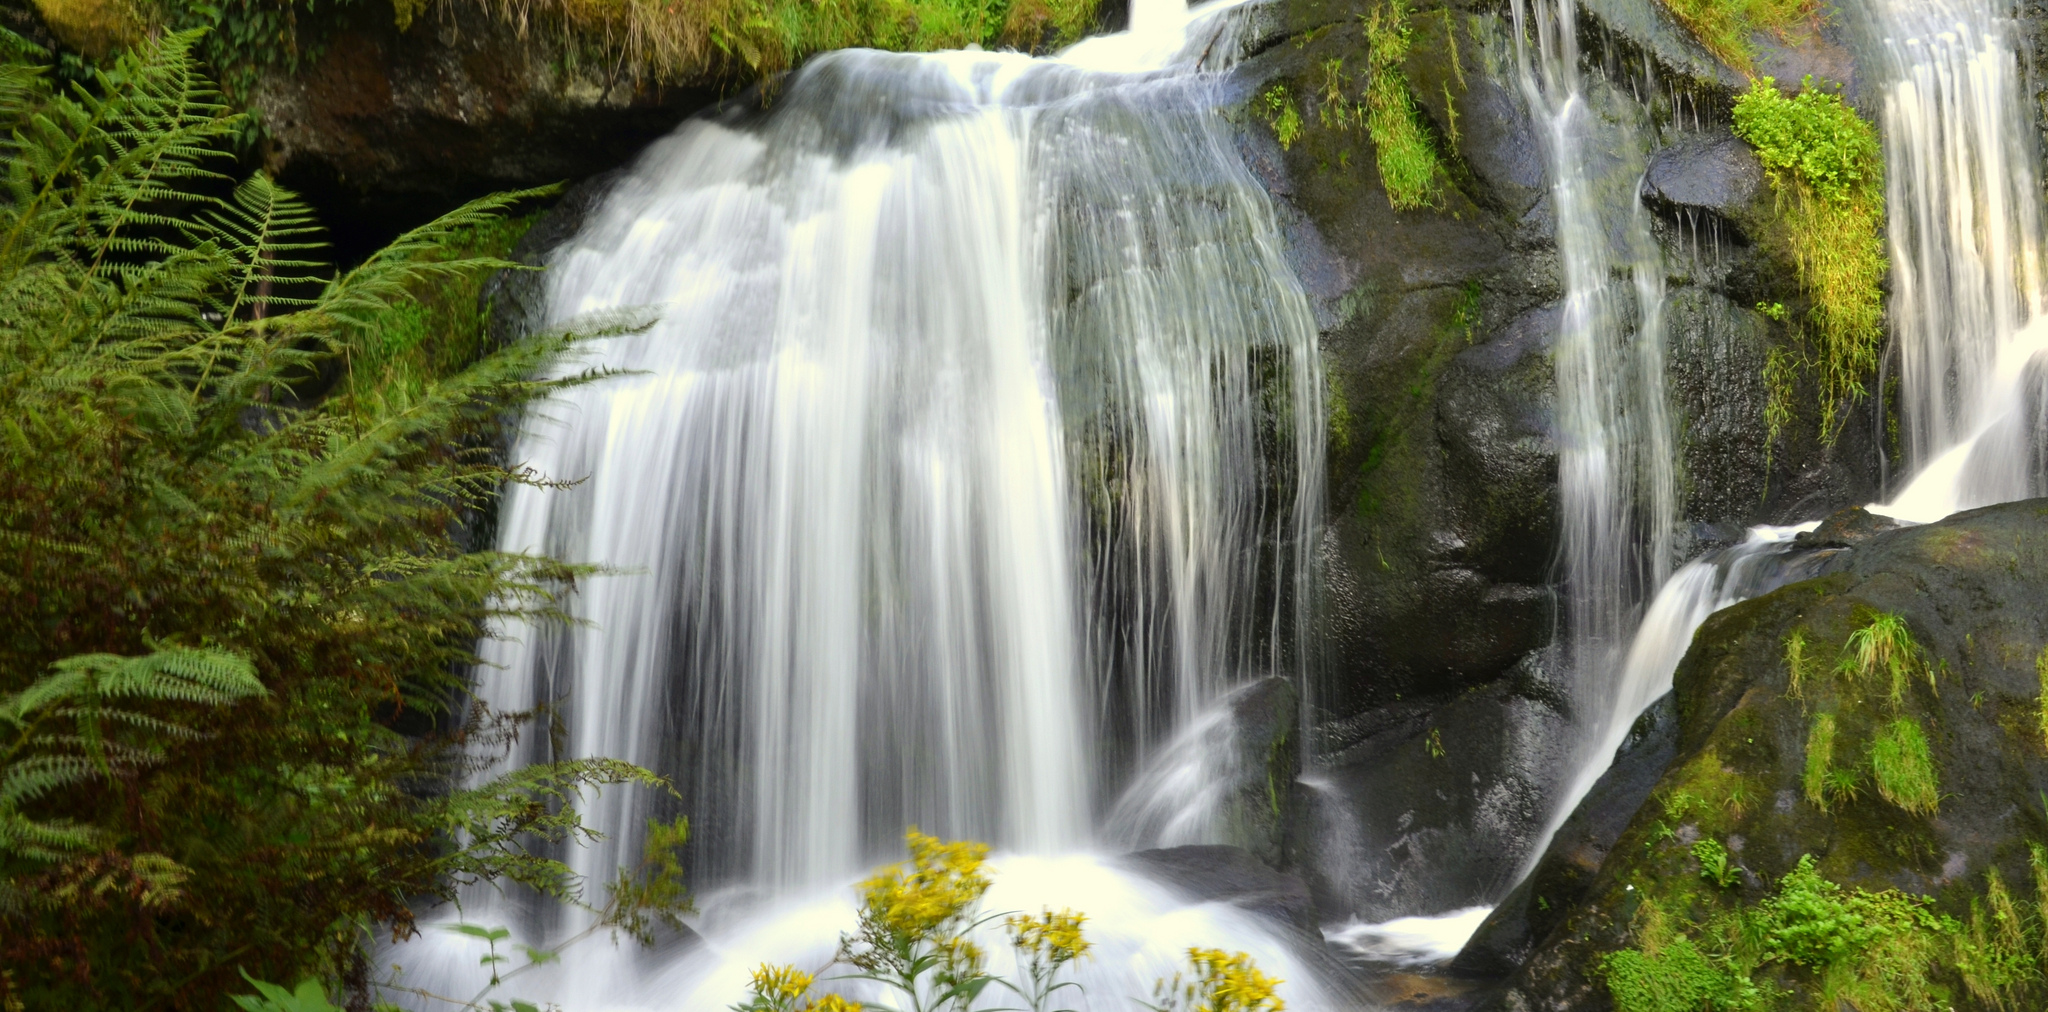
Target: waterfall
(1617, 488)
(975, 449)
(1966, 247)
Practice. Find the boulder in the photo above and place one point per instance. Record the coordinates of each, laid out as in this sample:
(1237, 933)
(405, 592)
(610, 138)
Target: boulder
(1973, 592)
(1209, 873)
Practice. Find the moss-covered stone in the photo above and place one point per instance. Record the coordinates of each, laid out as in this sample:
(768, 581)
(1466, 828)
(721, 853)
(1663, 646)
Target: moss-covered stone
(1971, 592)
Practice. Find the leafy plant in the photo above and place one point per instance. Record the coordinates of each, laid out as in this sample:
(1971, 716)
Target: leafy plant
(1715, 866)
(229, 589)
(1904, 767)
(1826, 167)
(2041, 672)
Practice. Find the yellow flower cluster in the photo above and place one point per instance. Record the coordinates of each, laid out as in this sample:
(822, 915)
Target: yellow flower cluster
(780, 985)
(1054, 938)
(1231, 982)
(941, 882)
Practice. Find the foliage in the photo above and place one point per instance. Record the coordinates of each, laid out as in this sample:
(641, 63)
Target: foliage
(1715, 865)
(1904, 767)
(1408, 162)
(1780, 369)
(2041, 673)
(1881, 951)
(1818, 778)
(1995, 959)
(1725, 27)
(1826, 166)
(227, 591)
(1281, 115)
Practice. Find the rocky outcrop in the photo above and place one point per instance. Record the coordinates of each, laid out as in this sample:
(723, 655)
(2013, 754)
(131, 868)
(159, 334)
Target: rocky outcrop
(1437, 331)
(384, 127)
(1973, 591)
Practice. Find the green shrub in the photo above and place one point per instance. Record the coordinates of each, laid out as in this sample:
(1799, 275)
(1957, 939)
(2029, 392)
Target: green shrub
(1826, 166)
(1904, 767)
(1715, 866)
(1677, 978)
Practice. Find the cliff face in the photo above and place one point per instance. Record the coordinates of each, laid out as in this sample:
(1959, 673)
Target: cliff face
(1444, 710)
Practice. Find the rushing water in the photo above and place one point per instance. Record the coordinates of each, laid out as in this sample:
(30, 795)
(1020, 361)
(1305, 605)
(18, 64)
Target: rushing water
(1616, 485)
(1966, 246)
(980, 431)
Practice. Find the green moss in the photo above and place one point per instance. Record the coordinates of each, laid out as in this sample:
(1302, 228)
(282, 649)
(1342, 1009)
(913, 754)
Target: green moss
(1826, 167)
(1677, 978)
(1726, 26)
(2041, 673)
(1818, 779)
(1904, 767)
(1409, 166)
(1779, 374)
(436, 334)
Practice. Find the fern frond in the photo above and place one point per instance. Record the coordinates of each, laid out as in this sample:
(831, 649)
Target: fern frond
(389, 274)
(263, 228)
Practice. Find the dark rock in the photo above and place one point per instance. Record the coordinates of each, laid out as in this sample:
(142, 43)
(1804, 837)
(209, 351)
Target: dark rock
(514, 298)
(1432, 808)
(1973, 589)
(1846, 529)
(1209, 873)
(386, 128)
(1712, 170)
(1536, 906)
(1264, 716)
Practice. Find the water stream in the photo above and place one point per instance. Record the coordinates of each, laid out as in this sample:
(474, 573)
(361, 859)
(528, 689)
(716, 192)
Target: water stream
(1966, 247)
(977, 449)
(1616, 483)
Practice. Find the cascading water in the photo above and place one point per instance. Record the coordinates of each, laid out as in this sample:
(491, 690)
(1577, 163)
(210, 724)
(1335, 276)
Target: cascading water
(980, 430)
(1615, 472)
(1966, 247)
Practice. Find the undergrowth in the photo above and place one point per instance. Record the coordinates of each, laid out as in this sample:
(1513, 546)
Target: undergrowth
(1725, 27)
(1825, 166)
(1904, 767)
(1879, 654)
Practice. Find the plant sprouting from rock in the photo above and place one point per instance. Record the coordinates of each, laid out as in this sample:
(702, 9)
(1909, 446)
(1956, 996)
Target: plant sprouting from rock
(1826, 167)
(1884, 646)
(1904, 767)
(1409, 166)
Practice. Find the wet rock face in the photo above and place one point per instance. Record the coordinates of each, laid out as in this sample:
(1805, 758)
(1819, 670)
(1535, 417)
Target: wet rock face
(1438, 325)
(386, 127)
(1973, 590)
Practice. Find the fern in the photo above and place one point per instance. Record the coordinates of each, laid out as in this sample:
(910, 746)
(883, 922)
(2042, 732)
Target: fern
(231, 581)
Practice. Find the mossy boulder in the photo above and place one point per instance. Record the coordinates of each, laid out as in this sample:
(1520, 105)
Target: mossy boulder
(1971, 596)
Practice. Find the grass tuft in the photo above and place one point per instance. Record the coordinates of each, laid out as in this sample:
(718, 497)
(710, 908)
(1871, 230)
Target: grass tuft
(1725, 27)
(1410, 168)
(1884, 645)
(1904, 767)
(2041, 672)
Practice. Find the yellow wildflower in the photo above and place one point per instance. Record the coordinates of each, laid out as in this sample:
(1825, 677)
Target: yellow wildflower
(1054, 938)
(926, 904)
(833, 1003)
(1224, 982)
